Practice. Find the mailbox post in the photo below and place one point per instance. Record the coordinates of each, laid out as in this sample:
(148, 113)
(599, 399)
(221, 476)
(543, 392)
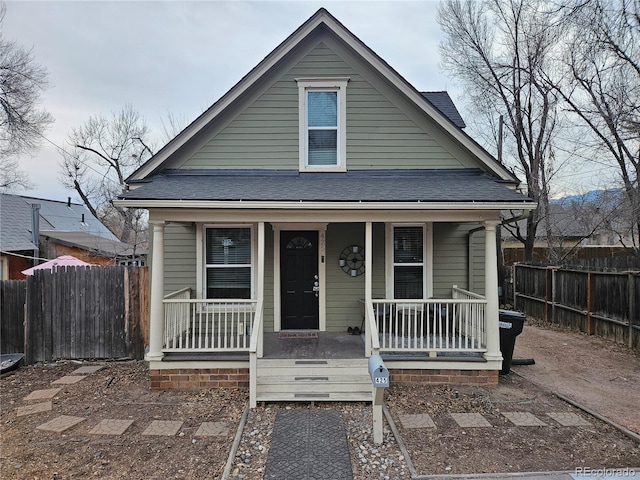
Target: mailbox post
(380, 380)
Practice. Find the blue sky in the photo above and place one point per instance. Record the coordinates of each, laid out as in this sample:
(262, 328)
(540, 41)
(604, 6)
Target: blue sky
(179, 57)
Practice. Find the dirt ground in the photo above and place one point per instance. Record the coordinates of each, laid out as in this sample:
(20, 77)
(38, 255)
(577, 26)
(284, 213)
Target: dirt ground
(599, 374)
(121, 391)
(503, 447)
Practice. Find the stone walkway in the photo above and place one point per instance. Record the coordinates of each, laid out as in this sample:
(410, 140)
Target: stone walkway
(476, 420)
(107, 426)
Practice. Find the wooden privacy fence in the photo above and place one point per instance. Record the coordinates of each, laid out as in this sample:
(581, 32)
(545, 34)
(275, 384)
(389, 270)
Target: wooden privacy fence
(597, 303)
(81, 312)
(13, 294)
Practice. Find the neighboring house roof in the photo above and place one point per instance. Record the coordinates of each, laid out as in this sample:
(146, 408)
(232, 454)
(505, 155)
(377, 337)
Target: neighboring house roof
(66, 222)
(92, 243)
(15, 224)
(322, 19)
(69, 217)
(460, 185)
(442, 101)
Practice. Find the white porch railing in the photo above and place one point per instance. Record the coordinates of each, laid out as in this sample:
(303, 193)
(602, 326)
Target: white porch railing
(255, 352)
(433, 325)
(206, 325)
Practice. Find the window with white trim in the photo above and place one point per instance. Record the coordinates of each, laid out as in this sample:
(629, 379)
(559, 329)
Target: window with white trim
(409, 268)
(228, 262)
(322, 113)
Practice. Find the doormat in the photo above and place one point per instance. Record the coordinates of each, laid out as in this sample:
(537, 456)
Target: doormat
(297, 334)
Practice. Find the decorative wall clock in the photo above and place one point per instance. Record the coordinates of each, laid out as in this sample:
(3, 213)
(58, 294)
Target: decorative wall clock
(352, 260)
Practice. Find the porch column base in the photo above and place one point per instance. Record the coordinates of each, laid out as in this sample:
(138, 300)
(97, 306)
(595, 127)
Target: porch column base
(493, 357)
(154, 357)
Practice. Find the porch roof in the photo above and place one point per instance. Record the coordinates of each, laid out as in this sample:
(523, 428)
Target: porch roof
(437, 186)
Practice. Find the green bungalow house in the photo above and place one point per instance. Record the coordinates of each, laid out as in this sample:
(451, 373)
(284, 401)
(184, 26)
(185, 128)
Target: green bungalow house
(323, 210)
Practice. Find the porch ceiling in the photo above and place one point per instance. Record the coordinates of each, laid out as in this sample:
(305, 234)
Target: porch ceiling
(428, 186)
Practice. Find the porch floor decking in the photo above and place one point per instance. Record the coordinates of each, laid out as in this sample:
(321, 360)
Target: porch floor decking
(331, 345)
(327, 345)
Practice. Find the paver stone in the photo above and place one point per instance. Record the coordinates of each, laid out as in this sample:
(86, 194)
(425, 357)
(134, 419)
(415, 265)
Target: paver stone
(212, 429)
(87, 369)
(60, 424)
(421, 420)
(568, 419)
(111, 427)
(524, 419)
(68, 380)
(163, 427)
(42, 394)
(470, 420)
(35, 408)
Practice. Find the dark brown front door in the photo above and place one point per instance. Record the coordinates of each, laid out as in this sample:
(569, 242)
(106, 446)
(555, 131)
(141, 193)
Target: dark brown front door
(298, 273)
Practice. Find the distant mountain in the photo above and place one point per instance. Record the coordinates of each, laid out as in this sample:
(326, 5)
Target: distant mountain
(588, 197)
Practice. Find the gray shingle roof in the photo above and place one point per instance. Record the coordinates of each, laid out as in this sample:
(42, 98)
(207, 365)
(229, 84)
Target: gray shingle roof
(442, 101)
(55, 216)
(353, 186)
(15, 224)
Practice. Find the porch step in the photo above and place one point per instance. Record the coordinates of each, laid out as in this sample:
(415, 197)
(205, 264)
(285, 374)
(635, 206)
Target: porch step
(305, 380)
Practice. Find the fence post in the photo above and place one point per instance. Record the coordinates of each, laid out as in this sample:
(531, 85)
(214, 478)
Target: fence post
(546, 295)
(589, 298)
(513, 285)
(631, 289)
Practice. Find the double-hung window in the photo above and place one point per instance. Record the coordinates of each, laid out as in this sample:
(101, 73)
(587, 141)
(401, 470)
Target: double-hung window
(322, 113)
(228, 262)
(409, 267)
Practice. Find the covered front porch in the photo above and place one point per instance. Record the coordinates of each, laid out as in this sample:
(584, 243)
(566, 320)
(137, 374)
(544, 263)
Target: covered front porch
(456, 332)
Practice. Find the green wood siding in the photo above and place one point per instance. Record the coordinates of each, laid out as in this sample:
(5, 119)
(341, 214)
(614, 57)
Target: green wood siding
(383, 129)
(451, 258)
(343, 291)
(268, 279)
(179, 258)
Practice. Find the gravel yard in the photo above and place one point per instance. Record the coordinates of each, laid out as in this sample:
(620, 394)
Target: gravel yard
(120, 391)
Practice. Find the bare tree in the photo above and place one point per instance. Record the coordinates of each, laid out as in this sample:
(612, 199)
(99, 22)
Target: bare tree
(12, 178)
(103, 153)
(602, 88)
(498, 50)
(22, 122)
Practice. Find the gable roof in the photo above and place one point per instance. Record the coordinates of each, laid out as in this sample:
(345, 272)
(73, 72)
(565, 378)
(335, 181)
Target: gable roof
(323, 19)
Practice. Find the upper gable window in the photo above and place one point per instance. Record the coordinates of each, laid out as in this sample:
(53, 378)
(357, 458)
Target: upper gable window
(322, 104)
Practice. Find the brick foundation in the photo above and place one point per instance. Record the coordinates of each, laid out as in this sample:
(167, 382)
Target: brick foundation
(183, 379)
(455, 377)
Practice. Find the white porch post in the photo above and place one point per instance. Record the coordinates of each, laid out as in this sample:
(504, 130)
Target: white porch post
(491, 291)
(260, 273)
(156, 307)
(368, 270)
